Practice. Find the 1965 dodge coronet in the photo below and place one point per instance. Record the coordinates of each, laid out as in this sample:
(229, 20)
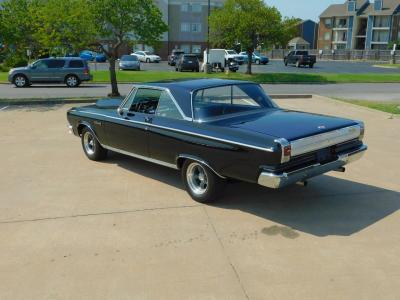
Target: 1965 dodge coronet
(214, 130)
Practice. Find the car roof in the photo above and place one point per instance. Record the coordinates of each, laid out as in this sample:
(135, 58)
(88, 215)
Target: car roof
(182, 89)
(64, 58)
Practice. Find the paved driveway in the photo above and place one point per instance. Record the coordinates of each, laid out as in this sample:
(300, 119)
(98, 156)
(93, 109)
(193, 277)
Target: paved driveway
(125, 229)
(377, 92)
(277, 66)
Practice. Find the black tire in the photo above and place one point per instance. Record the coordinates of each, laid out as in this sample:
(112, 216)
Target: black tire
(148, 60)
(286, 63)
(91, 146)
(176, 69)
(311, 66)
(20, 81)
(207, 187)
(197, 70)
(298, 64)
(72, 81)
(257, 61)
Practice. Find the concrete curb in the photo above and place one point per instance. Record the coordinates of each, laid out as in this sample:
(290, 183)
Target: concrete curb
(19, 102)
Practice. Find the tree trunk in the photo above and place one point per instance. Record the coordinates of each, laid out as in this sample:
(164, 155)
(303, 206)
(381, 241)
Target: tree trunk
(113, 79)
(249, 61)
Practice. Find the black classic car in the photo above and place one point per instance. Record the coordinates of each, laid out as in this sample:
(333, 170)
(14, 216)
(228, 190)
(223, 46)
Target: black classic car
(214, 130)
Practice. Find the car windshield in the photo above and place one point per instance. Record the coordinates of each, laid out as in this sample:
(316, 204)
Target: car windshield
(230, 52)
(213, 103)
(189, 57)
(302, 52)
(129, 58)
(147, 53)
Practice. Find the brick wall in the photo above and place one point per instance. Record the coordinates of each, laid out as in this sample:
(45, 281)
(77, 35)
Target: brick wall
(324, 29)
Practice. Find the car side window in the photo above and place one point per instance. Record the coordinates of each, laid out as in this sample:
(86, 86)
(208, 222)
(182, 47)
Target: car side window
(145, 101)
(167, 107)
(76, 64)
(56, 63)
(41, 65)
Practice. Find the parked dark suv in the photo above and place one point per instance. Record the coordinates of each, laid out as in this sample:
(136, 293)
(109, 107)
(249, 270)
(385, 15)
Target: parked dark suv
(188, 62)
(69, 70)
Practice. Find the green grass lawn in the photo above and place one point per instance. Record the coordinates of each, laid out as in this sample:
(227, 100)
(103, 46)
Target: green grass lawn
(389, 65)
(148, 76)
(393, 108)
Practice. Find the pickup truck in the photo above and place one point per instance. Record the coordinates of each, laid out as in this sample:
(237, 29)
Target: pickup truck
(300, 58)
(231, 55)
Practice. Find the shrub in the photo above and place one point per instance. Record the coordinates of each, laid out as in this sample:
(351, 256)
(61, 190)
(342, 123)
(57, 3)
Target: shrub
(3, 68)
(14, 61)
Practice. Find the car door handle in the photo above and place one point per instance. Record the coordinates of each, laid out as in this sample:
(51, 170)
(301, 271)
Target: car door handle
(148, 119)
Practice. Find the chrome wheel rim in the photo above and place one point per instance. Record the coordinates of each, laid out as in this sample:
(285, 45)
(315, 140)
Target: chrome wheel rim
(72, 81)
(20, 81)
(88, 143)
(197, 179)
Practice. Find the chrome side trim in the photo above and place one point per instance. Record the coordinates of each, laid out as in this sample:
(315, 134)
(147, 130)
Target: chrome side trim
(152, 160)
(270, 149)
(276, 181)
(191, 157)
(324, 140)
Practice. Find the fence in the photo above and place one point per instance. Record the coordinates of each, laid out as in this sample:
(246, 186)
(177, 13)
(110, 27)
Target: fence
(370, 55)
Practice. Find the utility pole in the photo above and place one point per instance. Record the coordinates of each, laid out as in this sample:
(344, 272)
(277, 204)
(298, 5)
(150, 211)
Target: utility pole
(207, 65)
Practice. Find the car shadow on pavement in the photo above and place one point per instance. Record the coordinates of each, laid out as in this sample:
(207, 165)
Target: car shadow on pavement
(327, 206)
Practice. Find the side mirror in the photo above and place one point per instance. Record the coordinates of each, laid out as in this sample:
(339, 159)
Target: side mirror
(120, 111)
(32, 67)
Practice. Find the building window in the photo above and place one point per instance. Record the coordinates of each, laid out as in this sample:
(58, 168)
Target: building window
(351, 6)
(185, 48)
(327, 47)
(381, 21)
(340, 36)
(196, 27)
(185, 27)
(380, 36)
(328, 23)
(340, 46)
(378, 5)
(196, 8)
(184, 7)
(379, 47)
(196, 49)
(341, 23)
(327, 36)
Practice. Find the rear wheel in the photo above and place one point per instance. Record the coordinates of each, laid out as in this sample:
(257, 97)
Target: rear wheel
(257, 61)
(286, 63)
(91, 146)
(72, 81)
(297, 64)
(148, 60)
(20, 81)
(311, 66)
(202, 184)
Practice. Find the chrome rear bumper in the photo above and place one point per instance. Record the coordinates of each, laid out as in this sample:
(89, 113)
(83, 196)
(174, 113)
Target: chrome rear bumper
(276, 181)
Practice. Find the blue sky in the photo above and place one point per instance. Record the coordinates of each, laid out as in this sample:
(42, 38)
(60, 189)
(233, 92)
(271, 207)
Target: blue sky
(306, 9)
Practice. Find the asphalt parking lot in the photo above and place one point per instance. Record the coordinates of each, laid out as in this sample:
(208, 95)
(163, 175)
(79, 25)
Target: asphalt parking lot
(125, 229)
(277, 66)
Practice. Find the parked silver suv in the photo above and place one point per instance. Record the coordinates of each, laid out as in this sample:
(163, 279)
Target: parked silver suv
(69, 70)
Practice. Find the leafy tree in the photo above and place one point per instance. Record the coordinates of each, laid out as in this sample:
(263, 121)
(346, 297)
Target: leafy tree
(62, 25)
(289, 30)
(16, 28)
(249, 22)
(121, 21)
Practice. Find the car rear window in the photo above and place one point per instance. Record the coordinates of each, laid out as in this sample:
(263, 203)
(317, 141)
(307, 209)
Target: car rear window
(76, 64)
(129, 58)
(189, 57)
(56, 63)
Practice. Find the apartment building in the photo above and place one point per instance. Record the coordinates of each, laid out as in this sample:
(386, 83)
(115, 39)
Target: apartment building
(188, 25)
(360, 24)
(308, 30)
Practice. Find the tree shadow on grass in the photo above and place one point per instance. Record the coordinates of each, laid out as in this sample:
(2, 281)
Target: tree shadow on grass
(328, 206)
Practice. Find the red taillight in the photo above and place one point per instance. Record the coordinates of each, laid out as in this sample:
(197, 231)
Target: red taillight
(86, 72)
(287, 150)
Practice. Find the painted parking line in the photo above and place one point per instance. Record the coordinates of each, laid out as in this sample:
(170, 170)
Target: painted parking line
(3, 108)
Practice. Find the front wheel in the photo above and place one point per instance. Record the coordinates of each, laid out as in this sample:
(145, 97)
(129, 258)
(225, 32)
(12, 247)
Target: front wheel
(72, 81)
(91, 146)
(202, 184)
(286, 63)
(298, 64)
(20, 81)
(257, 61)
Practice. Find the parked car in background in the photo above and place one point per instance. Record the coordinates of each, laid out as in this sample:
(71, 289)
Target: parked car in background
(300, 58)
(129, 62)
(148, 57)
(69, 70)
(257, 58)
(216, 130)
(187, 62)
(92, 56)
(172, 58)
(231, 55)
